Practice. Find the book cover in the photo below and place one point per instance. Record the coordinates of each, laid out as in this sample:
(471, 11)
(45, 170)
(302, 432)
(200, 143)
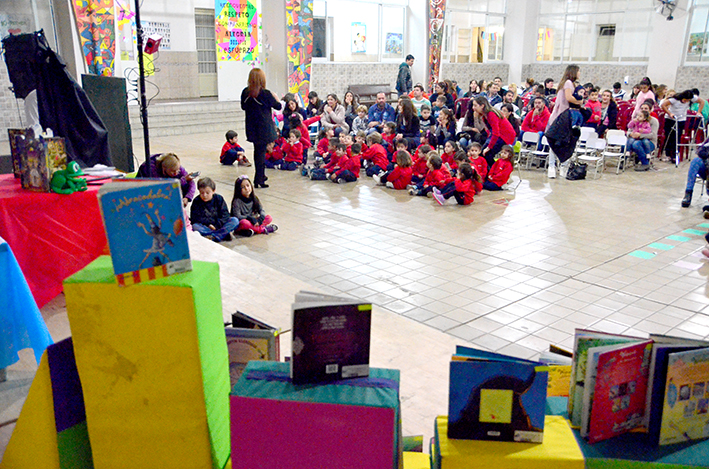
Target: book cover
(245, 345)
(584, 340)
(559, 378)
(15, 149)
(331, 338)
(145, 228)
(496, 397)
(614, 400)
(34, 172)
(244, 321)
(685, 414)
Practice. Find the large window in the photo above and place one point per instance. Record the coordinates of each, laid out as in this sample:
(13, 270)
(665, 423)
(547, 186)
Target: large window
(359, 30)
(474, 30)
(594, 30)
(698, 40)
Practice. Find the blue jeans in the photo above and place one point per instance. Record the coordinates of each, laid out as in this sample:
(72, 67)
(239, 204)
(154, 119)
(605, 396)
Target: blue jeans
(697, 167)
(641, 147)
(218, 234)
(347, 176)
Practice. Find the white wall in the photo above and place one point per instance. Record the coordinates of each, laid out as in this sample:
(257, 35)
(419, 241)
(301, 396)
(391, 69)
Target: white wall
(417, 39)
(667, 46)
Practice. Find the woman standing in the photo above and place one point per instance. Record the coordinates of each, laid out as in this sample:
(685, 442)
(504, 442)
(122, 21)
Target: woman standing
(257, 102)
(501, 131)
(333, 116)
(564, 96)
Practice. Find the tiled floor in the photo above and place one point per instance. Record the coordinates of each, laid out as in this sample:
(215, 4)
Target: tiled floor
(513, 272)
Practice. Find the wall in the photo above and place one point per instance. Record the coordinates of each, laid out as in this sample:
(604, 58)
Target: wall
(335, 78)
(463, 73)
(667, 46)
(274, 45)
(689, 77)
(601, 75)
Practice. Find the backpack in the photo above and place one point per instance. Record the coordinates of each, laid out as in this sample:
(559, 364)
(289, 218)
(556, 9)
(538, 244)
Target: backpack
(577, 171)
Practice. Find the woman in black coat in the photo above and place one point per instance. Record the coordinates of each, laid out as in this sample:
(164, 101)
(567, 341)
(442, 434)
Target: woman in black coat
(609, 113)
(408, 124)
(257, 102)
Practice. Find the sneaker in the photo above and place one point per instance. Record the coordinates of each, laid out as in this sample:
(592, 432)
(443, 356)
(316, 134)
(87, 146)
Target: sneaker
(436, 190)
(551, 173)
(413, 191)
(277, 166)
(410, 186)
(430, 194)
(245, 233)
(390, 185)
(377, 178)
(244, 162)
(227, 237)
(705, 209)
(642, 167)
(211, 238)
(270, 228)
(341, 181)
(439, 197)
(303, 170)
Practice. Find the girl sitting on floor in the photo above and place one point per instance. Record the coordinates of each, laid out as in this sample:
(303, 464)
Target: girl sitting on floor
(501, 170)
(247, 208)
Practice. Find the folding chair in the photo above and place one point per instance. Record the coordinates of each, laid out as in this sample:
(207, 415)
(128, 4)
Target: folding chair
(541, 156)
(616, 149)
(529, 144)
(594, 157)
(587, 133)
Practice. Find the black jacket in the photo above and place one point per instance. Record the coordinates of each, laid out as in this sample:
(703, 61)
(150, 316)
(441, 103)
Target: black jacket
(214, 212)
(560, 137)
(612, 115)
(260, 127)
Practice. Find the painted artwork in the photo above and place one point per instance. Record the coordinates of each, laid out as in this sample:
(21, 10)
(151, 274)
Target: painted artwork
(436, 14)
(697, 44)
(236, 30)
(299, 19)
(95, 24)
(127, 35)
(359, 38)
(394, 43)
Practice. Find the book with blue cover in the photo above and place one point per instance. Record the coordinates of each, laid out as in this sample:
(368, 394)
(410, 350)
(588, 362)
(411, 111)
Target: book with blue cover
(496, 397)
(145, 227)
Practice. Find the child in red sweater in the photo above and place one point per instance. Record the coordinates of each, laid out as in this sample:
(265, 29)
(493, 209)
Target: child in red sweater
(348, 170)
(462, 188)
(375, 157)
(324, 137)
(399, 177)
(296, 123)
(435, 177)
(419, 164)
(274, 152)
(361, 138)
(292, 152)
(232, 151)
(477, 160)
(502, 169)
(388, 135)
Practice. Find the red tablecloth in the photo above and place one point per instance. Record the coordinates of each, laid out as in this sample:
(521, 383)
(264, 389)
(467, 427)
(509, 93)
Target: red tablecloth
(52, 235)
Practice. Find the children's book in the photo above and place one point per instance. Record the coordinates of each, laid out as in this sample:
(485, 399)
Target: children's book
(15, 151)
(496, 397)
(558, 361)
(584, 340)
(145, 227)
(615, 389)
(245, 345)
(685, 414)
(331, 338)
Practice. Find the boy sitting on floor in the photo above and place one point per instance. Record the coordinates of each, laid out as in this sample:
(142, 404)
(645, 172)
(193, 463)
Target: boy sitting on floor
(231, 151)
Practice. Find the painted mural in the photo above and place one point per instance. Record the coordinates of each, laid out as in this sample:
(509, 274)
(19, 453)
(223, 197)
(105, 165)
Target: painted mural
(237, 30)
(299, 18)
(127, 36)
(436, 14)
(96, 27)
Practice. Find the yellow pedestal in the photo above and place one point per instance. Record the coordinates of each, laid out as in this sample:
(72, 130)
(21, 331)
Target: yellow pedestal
(153, 364)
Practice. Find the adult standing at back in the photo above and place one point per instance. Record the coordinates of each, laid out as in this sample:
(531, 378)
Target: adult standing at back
(257, 102)
(404, 83)
(379, 113)
(564, 96)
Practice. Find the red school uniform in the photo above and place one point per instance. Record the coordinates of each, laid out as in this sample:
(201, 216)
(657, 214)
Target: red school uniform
(467, 188)
(334, 162)
(349, 164)
(377, 155)
(293, 153)
(500, 171)
(480, 165)
(436, 177)
(450, 159)
(400, 177)
(419, 167)
(275, 155)
(478, 186)
(322, 145)
(304, 136)
(597, 112)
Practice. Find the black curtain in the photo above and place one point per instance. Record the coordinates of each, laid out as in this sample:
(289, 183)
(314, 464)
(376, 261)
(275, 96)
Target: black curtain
(63, 104)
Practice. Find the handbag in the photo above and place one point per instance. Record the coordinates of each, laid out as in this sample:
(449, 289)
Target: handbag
(577, 171)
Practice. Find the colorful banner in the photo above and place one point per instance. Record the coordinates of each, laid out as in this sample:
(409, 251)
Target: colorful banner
(95, 24)
(236, 30)
(436, 17)
(299, 23)
(127, 35)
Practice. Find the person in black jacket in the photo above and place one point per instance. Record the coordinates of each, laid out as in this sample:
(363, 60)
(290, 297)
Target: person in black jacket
(407, 124)
(609, 113)
(209, 213)
(257, 101)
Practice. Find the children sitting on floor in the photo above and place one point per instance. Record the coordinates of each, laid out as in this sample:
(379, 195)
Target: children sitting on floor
(501, 170)
(419, 166)
(435, 177)
(462, 187)
(427, 121)
(375, 158)
(320, 173)
(348, 166)
(324, 137)
(399, 177)
(209, 214)
(247, 209)
(292, 152)
(359, 124)
(274, 152)
(477, 159)
(232, 151)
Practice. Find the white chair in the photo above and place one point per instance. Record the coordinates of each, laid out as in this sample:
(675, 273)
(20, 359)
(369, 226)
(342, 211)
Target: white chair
(541, 157)
(529, 144)
(593, 157)
(615, 150)
(586, 134)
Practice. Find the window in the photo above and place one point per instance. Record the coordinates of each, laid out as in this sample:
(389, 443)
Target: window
(698, 40)
(359, 30)
(594, 30)
(474, 30)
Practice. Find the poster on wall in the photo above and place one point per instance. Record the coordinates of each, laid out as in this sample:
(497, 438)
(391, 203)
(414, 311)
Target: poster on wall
(236, 30)
(15, 24)
(394, 43)
(436, 14)
(359, 38)
(299, 47)
(127, 35)
(95, 25)
(160, 28)
(697, 44)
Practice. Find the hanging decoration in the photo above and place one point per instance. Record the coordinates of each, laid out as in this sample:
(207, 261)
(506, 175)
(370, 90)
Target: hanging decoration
(237, 30)
(127, 34)
(436, 18)
(299, 24)
(96, 27)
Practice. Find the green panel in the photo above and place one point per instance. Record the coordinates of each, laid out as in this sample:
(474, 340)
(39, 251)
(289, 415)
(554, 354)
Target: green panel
(642, 254)
(694, 232)
(678, 238)
(660, 246)
(75, 448)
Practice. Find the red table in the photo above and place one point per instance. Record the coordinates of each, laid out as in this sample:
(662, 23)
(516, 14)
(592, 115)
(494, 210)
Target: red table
(52, 235)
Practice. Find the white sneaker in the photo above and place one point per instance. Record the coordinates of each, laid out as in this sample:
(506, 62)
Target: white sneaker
(552, 172)
(439, 198)
(377, 178)
(390, 185)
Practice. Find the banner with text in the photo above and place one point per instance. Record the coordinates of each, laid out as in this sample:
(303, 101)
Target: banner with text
(237, 29)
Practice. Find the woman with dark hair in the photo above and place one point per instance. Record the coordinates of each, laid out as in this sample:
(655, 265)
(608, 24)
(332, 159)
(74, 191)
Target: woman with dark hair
(507, 111)
(257, 102)
(501, 131)
(441, 89)
(473, 129)
(292, 107)
(564, 97)
(407, 123)
(609, 113)
(473, 90)
(350, 104)
(333, 115)
(445, 129)
(676, 109)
